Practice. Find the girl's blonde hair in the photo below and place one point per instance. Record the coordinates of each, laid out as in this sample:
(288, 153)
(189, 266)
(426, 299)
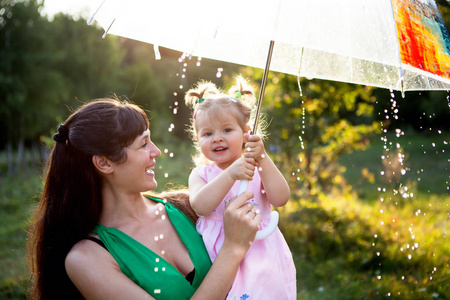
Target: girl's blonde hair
(206, 97)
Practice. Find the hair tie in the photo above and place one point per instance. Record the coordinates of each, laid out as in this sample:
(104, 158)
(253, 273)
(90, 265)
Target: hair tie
(201, 100)
(62, 135)
(238, 95)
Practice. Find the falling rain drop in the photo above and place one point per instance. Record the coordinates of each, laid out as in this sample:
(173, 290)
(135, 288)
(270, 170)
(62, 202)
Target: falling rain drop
(219, 72)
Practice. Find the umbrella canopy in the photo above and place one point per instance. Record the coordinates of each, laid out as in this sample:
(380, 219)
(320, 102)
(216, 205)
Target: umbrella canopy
(395, 44)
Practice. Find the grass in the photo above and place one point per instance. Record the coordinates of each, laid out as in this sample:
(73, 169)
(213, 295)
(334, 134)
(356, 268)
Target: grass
(17, 198)
(371, 243)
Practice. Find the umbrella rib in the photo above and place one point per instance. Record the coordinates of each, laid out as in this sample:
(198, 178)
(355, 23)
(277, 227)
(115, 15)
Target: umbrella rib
(95, 13)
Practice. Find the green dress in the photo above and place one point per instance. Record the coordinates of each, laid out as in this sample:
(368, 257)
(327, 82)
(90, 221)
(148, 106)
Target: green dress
(149, 270)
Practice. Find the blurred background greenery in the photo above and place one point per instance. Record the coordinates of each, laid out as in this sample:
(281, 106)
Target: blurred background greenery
(368, 169)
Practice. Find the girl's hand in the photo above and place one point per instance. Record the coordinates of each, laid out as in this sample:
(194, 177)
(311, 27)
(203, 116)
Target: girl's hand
(254, 148)
(242, 169)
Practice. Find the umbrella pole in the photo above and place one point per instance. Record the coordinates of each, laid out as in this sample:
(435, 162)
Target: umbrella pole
(274, 216)
(263, 87)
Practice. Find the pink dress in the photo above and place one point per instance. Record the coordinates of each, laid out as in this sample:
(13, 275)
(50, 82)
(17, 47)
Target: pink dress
(267, 271)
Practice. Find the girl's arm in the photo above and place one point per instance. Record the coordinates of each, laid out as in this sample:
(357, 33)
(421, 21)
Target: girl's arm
(274, 183)
(205, 197)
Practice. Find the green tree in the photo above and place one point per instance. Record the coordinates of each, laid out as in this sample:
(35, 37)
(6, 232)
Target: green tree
(24, 76)
(91, 66)
(309, 133)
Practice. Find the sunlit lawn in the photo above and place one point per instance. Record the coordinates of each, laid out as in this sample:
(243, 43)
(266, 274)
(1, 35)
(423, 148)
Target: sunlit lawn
(368, 244)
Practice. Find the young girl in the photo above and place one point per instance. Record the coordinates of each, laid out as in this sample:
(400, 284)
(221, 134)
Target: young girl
(226, 155)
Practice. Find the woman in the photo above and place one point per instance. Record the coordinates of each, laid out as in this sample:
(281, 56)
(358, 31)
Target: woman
(97, 236)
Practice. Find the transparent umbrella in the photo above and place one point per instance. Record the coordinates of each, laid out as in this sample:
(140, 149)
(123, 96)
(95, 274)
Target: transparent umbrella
(396, 44)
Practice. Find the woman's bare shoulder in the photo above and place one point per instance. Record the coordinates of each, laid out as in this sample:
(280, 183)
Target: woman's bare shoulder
(92, 269)
(87, 254)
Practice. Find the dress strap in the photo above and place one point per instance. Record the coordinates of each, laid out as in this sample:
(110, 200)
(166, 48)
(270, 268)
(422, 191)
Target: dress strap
(97, 240)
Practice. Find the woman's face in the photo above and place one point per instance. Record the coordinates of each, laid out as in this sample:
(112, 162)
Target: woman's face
(136, 174)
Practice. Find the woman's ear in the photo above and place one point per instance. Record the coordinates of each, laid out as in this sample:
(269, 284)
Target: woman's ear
(102, 164)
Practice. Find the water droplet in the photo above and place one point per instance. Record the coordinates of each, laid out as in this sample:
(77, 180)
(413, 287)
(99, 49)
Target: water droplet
(219, 72)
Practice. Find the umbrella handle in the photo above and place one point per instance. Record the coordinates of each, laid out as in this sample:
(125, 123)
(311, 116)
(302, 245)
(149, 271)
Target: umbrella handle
(274, 216)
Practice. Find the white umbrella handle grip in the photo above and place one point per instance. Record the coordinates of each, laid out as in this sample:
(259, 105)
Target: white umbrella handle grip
(243, 186)
(273, 223)
(274, 216)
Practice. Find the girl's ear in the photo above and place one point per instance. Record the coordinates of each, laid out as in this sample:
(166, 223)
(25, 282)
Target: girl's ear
(102, 164)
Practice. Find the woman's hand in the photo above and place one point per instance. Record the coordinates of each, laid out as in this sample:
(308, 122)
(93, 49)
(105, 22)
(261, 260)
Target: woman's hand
(240, 226)
(241, 223)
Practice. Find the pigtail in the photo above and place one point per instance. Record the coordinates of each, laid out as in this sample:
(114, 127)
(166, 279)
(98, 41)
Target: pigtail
(202, 90)
(244, 91)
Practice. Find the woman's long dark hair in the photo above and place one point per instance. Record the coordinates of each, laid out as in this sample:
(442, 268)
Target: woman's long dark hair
(70, 202)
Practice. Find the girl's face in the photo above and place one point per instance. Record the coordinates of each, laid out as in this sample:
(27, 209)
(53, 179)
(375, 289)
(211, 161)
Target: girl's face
(136, 174)
(220, 138)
